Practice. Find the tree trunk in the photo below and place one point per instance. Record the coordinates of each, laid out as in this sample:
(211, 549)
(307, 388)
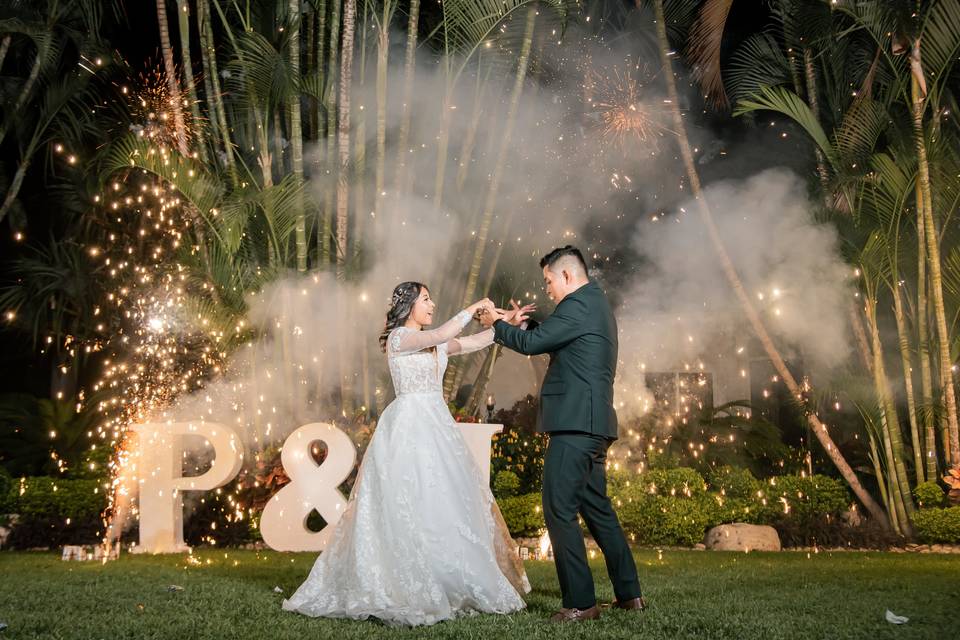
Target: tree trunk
(933, 256)
(4, 47)
(360, 165)
(14, 190)
(27, 85)
(191, 88)
(466, 149)
(923, 344)
(383, 46)
(172, 85)
(811, 77)
(409, 68)
(343, 135)
(218, 112)
(506, 143)
(892, 438)
(296, 133)
(326, 229)
(480, 384)
(442, 147)
(863, 348)
(819, 429)
(904, 342)
(493, 188)
(882, 484)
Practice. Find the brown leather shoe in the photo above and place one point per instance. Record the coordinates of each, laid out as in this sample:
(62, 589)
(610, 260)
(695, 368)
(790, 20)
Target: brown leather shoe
(576, 615)
(634, 604)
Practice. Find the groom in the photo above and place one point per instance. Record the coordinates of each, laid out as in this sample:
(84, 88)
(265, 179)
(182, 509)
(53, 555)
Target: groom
(576, 409)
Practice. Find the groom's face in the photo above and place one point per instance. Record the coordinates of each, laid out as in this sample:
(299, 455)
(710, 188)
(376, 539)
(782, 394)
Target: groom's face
(555, 285)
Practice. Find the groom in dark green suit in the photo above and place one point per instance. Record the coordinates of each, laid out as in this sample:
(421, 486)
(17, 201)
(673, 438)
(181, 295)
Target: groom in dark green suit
(576, 409)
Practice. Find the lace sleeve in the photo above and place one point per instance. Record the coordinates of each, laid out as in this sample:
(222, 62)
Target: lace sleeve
(469, 344)
(404, 340)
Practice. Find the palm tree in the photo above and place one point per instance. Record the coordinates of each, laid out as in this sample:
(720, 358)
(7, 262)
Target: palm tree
(343, 135)
(296, 135)
(407, 97)
(819, 429)
(383, 50)
(173, 86)
(325, 231)
(183, 11)
(62, 97)
(211, 77)
(901, 28)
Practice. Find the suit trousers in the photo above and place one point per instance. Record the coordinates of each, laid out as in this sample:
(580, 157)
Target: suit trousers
(575, 483)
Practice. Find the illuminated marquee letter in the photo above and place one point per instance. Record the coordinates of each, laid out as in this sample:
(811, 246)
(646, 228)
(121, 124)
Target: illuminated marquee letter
(162, 483)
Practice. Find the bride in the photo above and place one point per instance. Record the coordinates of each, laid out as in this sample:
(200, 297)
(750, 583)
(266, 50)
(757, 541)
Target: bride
(421, 539)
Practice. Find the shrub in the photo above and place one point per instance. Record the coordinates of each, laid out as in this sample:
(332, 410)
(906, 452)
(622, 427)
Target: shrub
(506, 484)
(929, 494)
(733, 482)
(523, 514)
(59, 498)
(938, 526)
(667, 520)
(6, 489)
(522, 454)
(803, 497)
(56, 511)
(679, 482)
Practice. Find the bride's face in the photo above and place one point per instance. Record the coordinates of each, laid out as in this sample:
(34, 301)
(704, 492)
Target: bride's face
(422, 312)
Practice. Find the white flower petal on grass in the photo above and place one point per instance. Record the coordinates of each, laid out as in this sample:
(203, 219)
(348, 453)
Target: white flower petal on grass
(893, 618)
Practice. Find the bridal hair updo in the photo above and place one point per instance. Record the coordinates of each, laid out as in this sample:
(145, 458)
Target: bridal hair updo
(404, 296)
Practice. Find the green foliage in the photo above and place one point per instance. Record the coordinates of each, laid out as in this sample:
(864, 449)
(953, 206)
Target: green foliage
(519, 448)
(673, 507)
(39, 436)
(733, 482)
(506, 484)
(938, 526)
(929, 495)
(60, 498)
(6, 491)
(673, 482)
(738, 435)
(523, 514)
(650, 519)
(804, 498)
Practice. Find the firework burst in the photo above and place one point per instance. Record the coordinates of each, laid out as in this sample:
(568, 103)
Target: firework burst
(624, 113)
(152, 112)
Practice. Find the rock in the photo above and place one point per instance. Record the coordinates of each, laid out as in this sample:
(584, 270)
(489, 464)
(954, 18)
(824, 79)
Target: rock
(742, 537)
(699, 546)
(851, 517)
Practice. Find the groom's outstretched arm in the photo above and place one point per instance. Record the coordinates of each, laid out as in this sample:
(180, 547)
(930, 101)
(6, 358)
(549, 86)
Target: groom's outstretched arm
(560, 328)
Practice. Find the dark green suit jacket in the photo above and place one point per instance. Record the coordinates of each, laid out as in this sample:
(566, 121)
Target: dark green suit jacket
(581, 338)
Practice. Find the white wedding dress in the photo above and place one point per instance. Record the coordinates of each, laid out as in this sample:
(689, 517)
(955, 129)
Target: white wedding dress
(421, 539)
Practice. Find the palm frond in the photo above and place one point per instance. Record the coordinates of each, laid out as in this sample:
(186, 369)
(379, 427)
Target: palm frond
(784, 101)
(469, 25)
(703, 49)
(940, 39)
(758, 62)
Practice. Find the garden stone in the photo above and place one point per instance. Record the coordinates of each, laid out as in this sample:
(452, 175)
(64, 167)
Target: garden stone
(743, 537)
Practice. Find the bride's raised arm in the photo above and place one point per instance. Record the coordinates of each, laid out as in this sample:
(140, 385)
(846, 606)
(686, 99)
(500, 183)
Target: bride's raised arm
(405, 340)
(469, 344)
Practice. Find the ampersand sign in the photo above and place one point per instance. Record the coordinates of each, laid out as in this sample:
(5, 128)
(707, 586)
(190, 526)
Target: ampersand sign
(283, 523)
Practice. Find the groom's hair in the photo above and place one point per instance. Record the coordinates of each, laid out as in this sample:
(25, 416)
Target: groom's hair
(568, 252)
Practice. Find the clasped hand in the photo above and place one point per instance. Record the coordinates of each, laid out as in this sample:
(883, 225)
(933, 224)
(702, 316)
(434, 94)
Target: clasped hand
(488, 313)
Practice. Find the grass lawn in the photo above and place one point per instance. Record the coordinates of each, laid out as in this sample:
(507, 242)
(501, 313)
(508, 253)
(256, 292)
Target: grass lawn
(704, 595)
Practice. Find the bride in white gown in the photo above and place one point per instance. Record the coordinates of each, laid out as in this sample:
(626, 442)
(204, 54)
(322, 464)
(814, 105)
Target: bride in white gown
(421, 539)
